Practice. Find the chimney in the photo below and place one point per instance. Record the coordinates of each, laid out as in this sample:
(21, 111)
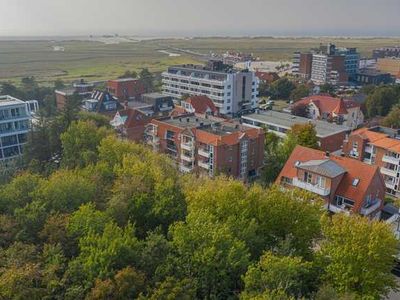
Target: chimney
(327, 154)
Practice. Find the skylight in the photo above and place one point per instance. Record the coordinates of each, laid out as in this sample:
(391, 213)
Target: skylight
(355, 181)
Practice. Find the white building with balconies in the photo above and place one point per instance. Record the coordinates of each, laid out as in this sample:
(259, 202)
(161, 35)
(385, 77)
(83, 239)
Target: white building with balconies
(15, 123)
(232, 91)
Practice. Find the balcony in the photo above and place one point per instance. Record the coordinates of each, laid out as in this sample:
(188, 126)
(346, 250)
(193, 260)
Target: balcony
(187, 146)
(204, 153)
(391, 160)
(311, 187)
(367, 210)
(337, 209)
(185, 169)
(390, 185)
(204, 165)
(187, 158)
(388, 172)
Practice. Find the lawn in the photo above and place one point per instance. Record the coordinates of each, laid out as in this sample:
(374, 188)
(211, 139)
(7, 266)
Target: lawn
(98, 61)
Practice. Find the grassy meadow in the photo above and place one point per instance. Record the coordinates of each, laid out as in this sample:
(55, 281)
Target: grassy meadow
(98, 61)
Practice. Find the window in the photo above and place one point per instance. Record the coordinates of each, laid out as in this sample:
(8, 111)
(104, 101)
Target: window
(321, 182)
(307, 177)
(355, 181)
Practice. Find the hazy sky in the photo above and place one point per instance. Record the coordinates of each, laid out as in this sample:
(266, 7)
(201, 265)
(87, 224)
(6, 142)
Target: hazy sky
(200, 17)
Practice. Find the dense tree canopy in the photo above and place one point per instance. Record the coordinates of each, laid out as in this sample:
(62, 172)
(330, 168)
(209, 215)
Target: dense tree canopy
(114, 220)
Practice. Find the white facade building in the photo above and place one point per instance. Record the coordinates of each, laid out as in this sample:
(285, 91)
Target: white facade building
(231, 91)
(15, 123)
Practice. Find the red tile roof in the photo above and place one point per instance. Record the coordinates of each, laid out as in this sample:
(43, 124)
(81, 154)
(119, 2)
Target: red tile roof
(340, 109)
(328, 104)
(201, 104)
(267, 76)
(134, 117)
(355, 169)
(228, 139)
(379, 139)
(178, 111)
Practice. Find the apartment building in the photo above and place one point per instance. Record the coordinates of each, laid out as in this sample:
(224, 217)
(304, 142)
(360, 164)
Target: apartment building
(126, 89)
(231, 90)
(328, 69)
(302, 64)
(328, 64)
(338, 110)
(208, 145)
(15, 121)
(330, 135)
(378, 146)
(386, 52)
(346, 185)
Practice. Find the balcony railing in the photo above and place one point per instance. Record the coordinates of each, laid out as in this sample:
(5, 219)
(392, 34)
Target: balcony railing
(371, 208)
(204, 153)
(203, 165)
(389, 172)
(390, 184)
(311, 187)
(187, 146)
(185, 169)
(187, 158)
(391, 159)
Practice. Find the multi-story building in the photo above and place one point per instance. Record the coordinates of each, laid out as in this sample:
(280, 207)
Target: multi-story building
(232, 91)
(378, 146)
(15, 121)
(386, 52)
(347, 185)
(373, 76)
(338, 110)
(327, 64)
(126, 89)
(330, 135)
(302, 64)
(328, 69)
(208, 145)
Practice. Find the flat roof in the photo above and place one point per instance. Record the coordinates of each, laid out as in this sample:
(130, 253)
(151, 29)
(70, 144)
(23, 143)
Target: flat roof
(285, 120)
(124, 79)
(188, 122)
(155, 95)
(6, 100)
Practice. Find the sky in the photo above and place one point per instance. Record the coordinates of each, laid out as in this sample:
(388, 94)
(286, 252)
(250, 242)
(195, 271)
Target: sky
(200, 17)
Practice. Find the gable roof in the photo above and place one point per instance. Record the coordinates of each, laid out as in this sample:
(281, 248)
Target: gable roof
(201, 104)
(328, 104)
(354, 169)
(133, 117)
(267, 76)
(378, 139)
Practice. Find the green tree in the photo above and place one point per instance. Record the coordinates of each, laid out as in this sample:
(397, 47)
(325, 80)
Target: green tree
(147, 79)
(171, 289)
(393, 118)
(299, 92)
(59, 84)
(303, 135)
(292, 275)
(126, 284)
(129, 74)
(147, 192)
(327, 88)
(113, 249)
(99, 119)
(357, 255)
(64, 191)
(18, 192)
(80, 143)
(208, 253)
(282, 88)
(380, 102)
